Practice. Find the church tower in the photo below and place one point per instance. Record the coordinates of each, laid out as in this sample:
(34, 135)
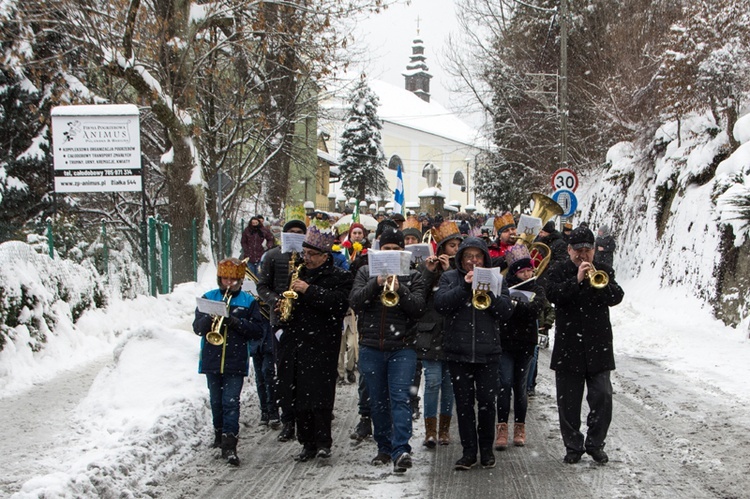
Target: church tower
(417, 78)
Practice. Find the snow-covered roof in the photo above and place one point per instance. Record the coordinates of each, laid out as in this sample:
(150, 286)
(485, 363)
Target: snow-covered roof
(402, 107)
(328, 158)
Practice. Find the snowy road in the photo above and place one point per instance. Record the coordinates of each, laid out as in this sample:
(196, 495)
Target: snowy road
(135, 423)
(669, 438)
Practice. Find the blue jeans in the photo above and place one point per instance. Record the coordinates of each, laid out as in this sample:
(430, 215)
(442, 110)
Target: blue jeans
(388, 376)
(265, 373)
(224, 391)
(437, 386)
(533, 369)
(514, 375)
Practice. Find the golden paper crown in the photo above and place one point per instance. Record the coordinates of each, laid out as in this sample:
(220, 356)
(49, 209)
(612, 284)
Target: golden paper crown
(412, 223)
(231, 268)
(445, 230)
(504, 222)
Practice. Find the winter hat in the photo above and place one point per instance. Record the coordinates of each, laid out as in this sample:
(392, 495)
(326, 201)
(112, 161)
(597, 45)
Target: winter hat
(319, 238)
(231, 268)
(291, 224)
(549, 227)
(518, 258)
(356, 225)
(392, 236)
(568, 226)
(581, 237)
(504, 222)
(383, 225)
(604, 229)
(397, 217)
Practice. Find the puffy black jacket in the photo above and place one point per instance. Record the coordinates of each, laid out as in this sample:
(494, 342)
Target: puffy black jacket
(381, 327)
(583, 334)
(247, 324)
(521, 330)
(471, 335)
(429, 340)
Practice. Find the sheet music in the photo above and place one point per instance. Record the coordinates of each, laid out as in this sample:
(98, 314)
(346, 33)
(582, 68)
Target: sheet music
(529, 225)
(212, 307)
(291, 242)
(420, 252)
(490, 280)
(388, 262)
(524, 296)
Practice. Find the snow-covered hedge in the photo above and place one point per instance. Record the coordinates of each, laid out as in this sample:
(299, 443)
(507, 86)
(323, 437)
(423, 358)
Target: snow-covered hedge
(37, 292)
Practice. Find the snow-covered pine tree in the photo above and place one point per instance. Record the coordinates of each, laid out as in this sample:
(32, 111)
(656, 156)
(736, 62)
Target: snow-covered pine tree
(362, 158)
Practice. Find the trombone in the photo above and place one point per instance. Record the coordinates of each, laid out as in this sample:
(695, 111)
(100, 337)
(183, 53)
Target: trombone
(389, 297)
(215, 336)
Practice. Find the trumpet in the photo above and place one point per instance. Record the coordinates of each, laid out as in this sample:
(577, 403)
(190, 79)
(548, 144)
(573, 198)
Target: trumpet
(598, 279)
(389, 297)
(481, 299)
(215, 336)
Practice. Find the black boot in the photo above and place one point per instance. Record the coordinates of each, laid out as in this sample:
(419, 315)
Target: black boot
(217, 438)
(229, 449)
(363, 429)
(287, 433)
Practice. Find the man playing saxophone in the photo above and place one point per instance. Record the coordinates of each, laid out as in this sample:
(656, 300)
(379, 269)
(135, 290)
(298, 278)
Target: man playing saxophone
(273, 280)
(224, 360)
(582, 354)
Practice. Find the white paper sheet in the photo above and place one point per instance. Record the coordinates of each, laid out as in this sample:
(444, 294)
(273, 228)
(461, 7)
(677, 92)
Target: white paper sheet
(529, 225)
(524, 296)
(388, 262)
(212, 307)
(420, 252)
(490, 280)
(291, 242)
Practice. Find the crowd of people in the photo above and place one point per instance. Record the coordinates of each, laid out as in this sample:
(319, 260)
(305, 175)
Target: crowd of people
(318, 318)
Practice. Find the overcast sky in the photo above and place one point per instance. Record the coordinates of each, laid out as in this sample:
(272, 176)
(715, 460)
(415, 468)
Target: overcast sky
(390, 37)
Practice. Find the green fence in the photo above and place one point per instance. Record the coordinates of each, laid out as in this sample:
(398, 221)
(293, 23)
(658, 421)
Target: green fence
(156, 248)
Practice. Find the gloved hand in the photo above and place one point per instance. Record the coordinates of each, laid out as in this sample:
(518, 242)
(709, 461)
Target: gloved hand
(232, 322)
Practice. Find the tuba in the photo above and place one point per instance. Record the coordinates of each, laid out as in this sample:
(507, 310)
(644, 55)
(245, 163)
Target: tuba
(215, 335)
(545, 208)
(287, 297)
(389, 297)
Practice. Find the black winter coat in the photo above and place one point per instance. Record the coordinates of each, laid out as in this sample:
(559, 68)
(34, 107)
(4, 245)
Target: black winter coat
(387, 328)
(246, 324)
(521, 330)
(607, 255)
(471, 335)
(308, 348)
(583, 332)
(273, 279)
(429, 341)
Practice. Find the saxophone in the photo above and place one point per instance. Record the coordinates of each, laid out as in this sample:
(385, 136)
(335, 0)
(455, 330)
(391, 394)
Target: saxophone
(287, 301)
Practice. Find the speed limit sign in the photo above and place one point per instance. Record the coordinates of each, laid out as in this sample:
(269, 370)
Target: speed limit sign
(565, 178)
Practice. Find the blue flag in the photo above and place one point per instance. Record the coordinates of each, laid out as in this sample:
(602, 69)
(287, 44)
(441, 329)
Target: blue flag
(398, 195)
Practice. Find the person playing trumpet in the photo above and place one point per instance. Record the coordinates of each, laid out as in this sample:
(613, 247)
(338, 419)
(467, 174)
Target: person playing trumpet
(387, 360)
(226, 364)
(582, 354)
(471, 345)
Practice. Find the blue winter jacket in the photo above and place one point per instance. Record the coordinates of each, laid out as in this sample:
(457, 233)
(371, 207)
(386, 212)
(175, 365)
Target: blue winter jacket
(243, 325)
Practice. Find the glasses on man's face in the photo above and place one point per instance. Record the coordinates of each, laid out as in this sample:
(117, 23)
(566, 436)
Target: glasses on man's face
(467, 257)
(310, 254)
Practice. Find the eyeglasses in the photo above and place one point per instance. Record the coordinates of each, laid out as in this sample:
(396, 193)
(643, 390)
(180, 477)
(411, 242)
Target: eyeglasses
(472, 256)
(310, 254)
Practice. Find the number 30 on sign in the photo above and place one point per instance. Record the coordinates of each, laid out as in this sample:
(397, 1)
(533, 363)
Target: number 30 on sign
(564, 178)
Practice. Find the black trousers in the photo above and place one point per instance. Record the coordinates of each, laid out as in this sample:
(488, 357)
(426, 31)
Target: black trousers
(569, 401)
(314, 428)
(475, 384)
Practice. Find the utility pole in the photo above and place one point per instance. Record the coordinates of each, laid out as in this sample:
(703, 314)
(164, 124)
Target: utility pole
(563, 83)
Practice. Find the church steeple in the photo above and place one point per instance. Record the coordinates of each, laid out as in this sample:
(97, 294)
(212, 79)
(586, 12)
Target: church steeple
(417, 78)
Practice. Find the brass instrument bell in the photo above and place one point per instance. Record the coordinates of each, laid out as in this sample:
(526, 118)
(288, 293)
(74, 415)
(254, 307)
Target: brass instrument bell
(215, 336)
(389, 297)
(598, 279)
(481, 299)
